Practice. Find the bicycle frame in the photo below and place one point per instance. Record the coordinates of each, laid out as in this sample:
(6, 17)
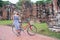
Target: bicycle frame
(28, 25)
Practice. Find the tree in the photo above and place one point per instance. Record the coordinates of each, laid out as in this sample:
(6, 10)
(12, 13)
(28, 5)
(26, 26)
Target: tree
(6, 3)
(1, 3)
(21, 1)
(19, 4)
(46, 1)
(39, 2)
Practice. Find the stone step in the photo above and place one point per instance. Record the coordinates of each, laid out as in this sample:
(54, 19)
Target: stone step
(55, 30)
(56, 27)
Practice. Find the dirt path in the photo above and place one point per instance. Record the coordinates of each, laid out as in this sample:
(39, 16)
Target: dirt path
(7, 34)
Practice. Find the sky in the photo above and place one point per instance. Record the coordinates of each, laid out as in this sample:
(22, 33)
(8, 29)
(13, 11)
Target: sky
(14, 1)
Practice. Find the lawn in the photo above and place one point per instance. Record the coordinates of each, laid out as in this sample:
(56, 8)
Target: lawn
(5, 22)
(42, 28)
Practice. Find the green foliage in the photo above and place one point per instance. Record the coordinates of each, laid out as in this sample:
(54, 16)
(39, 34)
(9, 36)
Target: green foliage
(0, 0)
(44, 1)
(24, 0)
(48, 1)
(19, 4)
(6, 2)
(1, 3)
(5, 22)
(39, 2)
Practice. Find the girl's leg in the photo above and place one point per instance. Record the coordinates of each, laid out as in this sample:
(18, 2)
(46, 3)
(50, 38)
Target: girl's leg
(18, 29)
(18, 32)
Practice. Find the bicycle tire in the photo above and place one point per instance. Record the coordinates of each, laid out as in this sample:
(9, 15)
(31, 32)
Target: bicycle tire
(32, 31)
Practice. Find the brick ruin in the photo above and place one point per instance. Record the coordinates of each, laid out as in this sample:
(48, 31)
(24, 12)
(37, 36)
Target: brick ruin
(6, 11)
(29, 10)
(36, 11)
(54, 23)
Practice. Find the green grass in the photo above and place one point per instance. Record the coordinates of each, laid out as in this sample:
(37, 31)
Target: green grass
(5, 22)
(42, 28)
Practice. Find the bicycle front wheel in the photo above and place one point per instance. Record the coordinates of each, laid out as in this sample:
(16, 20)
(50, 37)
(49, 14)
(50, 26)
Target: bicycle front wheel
(32, 30)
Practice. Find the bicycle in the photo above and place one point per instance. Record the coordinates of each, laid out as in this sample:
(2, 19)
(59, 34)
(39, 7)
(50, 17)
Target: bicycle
(31, 29)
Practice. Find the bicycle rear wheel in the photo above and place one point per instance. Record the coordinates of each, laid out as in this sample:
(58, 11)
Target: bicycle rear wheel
(31, 30)
(14, 30)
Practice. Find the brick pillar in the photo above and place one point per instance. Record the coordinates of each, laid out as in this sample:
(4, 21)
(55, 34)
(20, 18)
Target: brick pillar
(34, 10)
(54, 24)
(4, 13)
(28, 12)
(55, 6)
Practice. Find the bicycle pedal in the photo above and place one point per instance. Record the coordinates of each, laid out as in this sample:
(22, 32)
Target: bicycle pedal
(18, 35)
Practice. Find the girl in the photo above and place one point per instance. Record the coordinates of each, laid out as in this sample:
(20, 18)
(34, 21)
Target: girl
(16, 23)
